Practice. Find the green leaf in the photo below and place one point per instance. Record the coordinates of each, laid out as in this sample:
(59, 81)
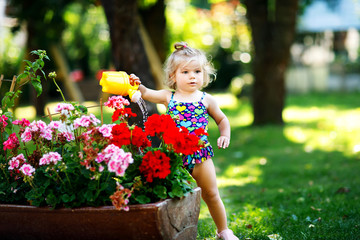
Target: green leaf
(51, 200)
(142, 199)
(82, 109)
(22, 76)
(89, 196)
(28, 62)
(104, 186)
(92, 185)
(160, 191)
(37, 86)
(40, 63)
(43, 73)
(65, 198)
(176, 190)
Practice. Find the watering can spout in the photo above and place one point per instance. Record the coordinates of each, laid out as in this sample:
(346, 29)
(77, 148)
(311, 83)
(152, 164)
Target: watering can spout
(117, 82)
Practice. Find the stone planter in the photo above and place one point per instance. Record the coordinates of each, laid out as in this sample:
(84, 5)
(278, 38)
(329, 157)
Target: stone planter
(168, 219)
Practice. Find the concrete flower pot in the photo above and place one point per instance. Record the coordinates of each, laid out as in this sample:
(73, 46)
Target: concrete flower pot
(168, 219)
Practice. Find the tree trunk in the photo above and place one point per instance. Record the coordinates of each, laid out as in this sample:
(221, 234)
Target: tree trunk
(155, 24)
(273, 30)
(127, 47)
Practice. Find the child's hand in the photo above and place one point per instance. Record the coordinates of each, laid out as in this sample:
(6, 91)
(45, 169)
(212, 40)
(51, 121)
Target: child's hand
(223, 142)
(134, 80)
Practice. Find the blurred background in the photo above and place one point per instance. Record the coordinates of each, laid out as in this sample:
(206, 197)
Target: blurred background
(288, 79)
(262, 50)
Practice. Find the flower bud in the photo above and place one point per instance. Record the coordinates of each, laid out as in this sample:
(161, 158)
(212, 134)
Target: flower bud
(52, 75)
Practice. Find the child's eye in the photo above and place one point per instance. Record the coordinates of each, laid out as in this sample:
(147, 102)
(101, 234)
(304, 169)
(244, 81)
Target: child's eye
(185, 72)
(198, 71)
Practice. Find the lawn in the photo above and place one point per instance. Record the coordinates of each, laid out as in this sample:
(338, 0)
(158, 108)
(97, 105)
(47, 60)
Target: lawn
(297, 181)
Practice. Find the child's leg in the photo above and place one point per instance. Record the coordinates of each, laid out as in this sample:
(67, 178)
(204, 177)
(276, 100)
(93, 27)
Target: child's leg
(205, 176)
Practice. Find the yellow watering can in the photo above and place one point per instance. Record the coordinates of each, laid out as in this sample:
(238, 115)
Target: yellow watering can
(117, 82)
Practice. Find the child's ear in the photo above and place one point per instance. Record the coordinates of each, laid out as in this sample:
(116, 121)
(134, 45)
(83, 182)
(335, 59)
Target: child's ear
(172, 76)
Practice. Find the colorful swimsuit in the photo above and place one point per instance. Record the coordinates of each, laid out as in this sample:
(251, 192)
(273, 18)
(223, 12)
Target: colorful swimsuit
(192, 115)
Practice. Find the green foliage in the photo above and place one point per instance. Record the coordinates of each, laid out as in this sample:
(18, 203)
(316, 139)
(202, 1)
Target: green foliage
(86, 38)
(70, 187)
(11, 55)
(32, 69)
(29, 75)
(44, 18)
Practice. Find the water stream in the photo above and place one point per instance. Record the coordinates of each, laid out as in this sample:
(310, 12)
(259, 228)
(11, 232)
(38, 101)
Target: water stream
(143, 109)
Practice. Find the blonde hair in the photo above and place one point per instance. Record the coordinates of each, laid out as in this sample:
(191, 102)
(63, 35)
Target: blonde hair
(184, 53)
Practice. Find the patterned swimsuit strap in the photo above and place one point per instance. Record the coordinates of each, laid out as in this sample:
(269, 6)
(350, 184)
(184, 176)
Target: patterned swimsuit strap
(202, 97)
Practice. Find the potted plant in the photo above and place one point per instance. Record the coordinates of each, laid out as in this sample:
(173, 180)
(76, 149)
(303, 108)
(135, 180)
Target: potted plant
(80, 173)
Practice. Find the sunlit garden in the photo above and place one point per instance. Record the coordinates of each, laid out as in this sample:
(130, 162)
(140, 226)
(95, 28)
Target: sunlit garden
(291, 177)
(298, 181)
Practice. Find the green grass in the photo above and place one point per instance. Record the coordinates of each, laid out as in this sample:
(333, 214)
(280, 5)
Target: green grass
(301, 180)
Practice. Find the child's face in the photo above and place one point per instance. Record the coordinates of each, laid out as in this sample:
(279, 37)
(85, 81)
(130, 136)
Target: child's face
(189, 76)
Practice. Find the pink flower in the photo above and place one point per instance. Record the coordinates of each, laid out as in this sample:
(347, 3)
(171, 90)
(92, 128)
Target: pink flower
(117, 102)
(64, 108)
(26, 136)
(86, 121)
(68, 135)
(106, 130)
(37, 126)
(109, 151)
(55, 125)
(51, 157)
(3, 120)
(118, 160)
(24, 122)
(46, 133)
(113, 165)
(100, 158)
(12, 142)
(16, 161)
(27, 169)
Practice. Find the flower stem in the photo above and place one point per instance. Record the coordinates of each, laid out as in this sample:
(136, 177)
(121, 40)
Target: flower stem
(7, 179)
(58, 176)
(59, 90)
(67, 177)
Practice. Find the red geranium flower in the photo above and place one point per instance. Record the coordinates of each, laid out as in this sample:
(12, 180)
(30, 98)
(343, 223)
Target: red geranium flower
(182, 141)
(121, 135)
(200, 132)
(120, 112)
(158, 124)
(155, 165)
(139, 138)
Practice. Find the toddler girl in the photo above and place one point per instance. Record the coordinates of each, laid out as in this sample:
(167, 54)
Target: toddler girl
(187, 72)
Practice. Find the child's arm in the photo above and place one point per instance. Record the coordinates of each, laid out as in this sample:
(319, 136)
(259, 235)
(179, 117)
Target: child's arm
(155, 96)
(220, 119)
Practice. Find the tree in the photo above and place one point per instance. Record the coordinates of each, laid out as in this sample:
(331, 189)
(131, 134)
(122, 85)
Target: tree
(128, 50)
(273, 29)
(44, 25)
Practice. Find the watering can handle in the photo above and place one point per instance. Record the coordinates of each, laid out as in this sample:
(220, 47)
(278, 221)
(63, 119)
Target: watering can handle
(133, 81)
